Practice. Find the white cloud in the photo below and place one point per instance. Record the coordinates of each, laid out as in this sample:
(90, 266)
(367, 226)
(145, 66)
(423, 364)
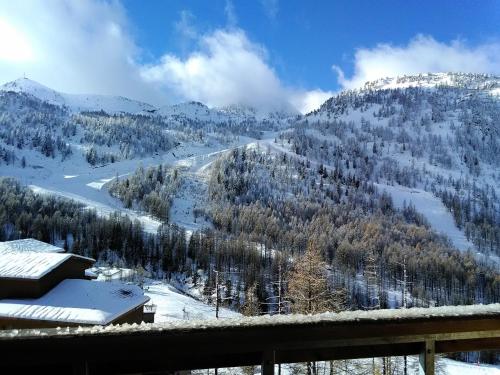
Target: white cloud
(85, 47)
(229, 69)
(423, 54)
(307, 101)
(14, 45)
(72, 46)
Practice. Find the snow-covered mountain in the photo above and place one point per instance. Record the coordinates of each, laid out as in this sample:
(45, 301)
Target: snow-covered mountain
(236, 114)
(486, 82)
(106, 129)
(181, 112)
(77, 102)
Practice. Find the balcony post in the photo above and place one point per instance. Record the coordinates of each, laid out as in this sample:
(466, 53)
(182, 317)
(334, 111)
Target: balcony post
(268, 362)
(426, 358)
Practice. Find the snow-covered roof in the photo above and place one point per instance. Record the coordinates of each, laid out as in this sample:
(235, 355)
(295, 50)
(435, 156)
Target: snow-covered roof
(31, 265)
(77, 301)
(29, 244)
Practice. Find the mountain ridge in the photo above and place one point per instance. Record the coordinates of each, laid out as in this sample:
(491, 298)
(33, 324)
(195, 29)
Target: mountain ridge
(76, 102)
(115, 104)
(471, 81)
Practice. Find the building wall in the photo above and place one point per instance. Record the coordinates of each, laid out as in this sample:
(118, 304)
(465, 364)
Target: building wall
(19, 288)
(133, 316)
(12, 323)
(72, 268)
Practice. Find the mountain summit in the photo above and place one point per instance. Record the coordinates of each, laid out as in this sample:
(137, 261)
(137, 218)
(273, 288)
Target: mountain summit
(30, 87)
(76, 102)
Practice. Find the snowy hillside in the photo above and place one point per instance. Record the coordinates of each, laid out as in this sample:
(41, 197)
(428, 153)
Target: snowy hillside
(488, 83)
(76, 102)
(196, 111)
(435, 133)
(246, 111)
(27, 86)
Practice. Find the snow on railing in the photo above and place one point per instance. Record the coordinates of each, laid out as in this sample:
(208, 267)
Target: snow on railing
(264, 340)
(395, 315)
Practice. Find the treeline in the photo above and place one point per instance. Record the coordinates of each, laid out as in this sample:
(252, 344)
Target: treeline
(151, 190)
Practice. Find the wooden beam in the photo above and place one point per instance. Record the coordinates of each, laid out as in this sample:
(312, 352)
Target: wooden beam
(468, 345)
(427, 358)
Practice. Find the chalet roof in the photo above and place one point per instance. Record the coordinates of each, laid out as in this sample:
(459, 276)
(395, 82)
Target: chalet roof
(78, 302)
(29, 244)
(31, 265)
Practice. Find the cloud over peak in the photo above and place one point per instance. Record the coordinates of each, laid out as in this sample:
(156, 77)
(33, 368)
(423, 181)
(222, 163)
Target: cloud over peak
(86, 47)
(76, 47)
(226, 69)
(423, 54)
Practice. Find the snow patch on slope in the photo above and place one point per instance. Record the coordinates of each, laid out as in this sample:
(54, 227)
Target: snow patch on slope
(438, 217)
(432, 208)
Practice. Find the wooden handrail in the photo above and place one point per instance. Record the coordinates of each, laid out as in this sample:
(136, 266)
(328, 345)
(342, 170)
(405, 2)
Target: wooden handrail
(185, 345)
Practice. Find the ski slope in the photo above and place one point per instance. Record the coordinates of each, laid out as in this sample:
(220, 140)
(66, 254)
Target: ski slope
(432, 208)
(438, 216)
(76, 179)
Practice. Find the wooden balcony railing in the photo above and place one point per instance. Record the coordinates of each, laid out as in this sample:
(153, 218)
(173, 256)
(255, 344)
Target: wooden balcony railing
(165, 348)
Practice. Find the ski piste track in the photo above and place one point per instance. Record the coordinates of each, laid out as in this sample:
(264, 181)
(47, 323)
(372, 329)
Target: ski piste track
(89, 185)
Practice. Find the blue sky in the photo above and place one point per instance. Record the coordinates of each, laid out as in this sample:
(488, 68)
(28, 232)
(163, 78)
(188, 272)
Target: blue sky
(304, 38)
(270, 54)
